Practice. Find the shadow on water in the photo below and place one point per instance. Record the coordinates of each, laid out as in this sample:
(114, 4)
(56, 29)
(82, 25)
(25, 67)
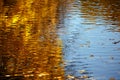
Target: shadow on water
(90, 31)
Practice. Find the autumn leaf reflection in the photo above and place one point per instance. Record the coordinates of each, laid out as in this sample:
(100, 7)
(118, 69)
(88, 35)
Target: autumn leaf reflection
(109, 10)
(29, 46)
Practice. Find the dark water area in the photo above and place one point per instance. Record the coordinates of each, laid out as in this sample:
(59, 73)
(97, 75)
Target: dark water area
(90, 32)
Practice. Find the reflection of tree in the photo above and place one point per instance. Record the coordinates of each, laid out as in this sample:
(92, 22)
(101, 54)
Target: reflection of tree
(108, 9)
(28, 42)
(112, 9)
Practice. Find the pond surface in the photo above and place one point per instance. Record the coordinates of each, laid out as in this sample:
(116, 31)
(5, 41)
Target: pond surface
(90, 32)
(59, 39)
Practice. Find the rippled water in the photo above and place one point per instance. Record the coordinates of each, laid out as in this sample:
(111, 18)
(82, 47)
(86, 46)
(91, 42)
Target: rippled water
(29, 46)
(59, 39)
(90, 31)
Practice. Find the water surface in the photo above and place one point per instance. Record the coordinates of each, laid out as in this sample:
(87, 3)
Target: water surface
(90, 31)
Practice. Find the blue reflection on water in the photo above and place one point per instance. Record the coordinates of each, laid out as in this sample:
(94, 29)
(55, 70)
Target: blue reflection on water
(89, 45)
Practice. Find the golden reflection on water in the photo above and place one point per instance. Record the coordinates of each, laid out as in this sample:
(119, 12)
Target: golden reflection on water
(29, 46)
(109, 10)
